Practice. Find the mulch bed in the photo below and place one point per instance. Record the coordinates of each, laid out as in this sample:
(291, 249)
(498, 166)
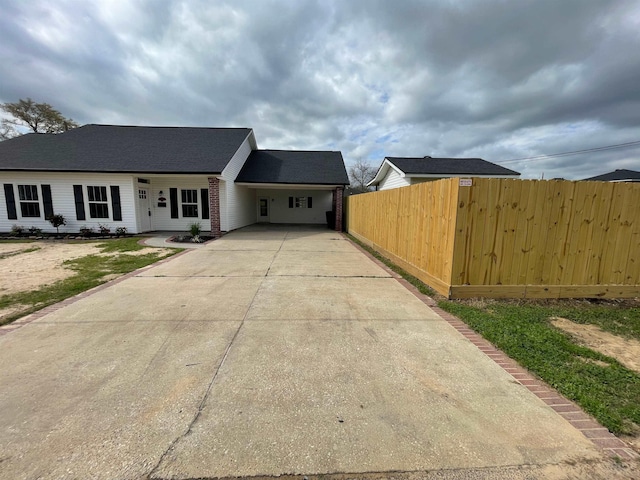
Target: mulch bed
(189, 239)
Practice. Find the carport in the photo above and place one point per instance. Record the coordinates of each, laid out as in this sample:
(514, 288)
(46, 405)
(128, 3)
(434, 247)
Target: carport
(295, 187)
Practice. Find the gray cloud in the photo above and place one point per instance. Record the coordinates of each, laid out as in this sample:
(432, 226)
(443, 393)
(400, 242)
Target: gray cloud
(496, 79)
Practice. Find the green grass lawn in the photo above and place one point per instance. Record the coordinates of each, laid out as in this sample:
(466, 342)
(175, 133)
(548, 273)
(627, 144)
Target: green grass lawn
(599, 384)
(90, 271)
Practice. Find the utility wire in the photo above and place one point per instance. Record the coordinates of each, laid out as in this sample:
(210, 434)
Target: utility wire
(575, 152)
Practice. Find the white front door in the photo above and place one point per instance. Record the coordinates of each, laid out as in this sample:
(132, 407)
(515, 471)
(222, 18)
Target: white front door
(263, 209)
(144, 209)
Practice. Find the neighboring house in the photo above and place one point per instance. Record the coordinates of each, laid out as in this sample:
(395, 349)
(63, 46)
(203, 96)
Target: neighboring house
(163, 178)
(618, 176)
(402, 171)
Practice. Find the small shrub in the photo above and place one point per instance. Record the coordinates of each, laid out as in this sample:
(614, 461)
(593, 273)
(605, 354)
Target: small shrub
(195, 229)
(104, 230)
(196, 239)
(35, 231)
(121, 231)
(86, 231)
(16, 230)
(57, 220)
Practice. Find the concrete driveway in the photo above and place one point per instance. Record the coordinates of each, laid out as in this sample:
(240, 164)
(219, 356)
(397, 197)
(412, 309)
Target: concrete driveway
(267, 352)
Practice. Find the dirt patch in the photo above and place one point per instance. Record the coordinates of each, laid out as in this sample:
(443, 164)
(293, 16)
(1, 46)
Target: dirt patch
(138, 253)
(22, 272)
(26, 267)
(626, 351)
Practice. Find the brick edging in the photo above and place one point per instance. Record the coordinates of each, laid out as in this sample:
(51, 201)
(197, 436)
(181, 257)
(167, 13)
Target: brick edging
(22, 321)
(570, 411)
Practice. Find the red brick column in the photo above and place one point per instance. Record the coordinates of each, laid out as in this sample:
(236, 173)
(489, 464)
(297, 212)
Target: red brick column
(214, 207)
(337, 194)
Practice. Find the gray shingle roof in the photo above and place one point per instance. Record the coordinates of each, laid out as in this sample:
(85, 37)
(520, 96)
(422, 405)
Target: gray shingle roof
(289, 167)
(449, 166)
(127, 149)
(617, 176)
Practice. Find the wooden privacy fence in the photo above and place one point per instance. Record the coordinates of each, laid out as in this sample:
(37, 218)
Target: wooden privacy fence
(505, 238)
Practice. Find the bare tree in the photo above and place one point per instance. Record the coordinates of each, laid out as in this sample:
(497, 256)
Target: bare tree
(38, 117)
(7, 131)
(361, 173)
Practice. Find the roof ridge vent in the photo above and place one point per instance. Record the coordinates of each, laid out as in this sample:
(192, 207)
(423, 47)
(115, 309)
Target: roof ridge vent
(427, 156)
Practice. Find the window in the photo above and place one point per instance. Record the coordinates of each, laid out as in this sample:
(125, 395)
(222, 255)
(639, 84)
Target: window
(98, 206)
(29, 204)
(190, 203)
(142, 194)
(300, 202)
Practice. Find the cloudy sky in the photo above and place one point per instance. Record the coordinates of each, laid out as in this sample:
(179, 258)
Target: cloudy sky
(501, 80)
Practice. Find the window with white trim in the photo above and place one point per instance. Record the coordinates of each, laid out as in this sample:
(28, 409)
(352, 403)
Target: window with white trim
(300, 202)
(190, 203)
(29, 202)
(98, 202)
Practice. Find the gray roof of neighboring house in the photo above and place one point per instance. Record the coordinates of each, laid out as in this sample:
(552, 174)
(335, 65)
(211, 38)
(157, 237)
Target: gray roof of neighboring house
(620, 175)
(449, 166)
(291, 167)
(126, 149)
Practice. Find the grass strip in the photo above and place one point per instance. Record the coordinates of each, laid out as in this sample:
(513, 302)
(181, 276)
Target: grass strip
(91, 271)
(19, 252)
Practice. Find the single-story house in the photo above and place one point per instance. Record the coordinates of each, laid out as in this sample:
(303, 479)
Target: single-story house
(620, 175)
(164, 178)
(397, 172)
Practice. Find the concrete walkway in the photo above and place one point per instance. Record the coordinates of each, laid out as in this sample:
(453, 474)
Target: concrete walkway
(269, 352)
(161, 239)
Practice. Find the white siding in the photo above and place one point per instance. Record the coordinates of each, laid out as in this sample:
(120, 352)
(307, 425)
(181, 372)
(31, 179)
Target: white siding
(416, 180)
(239, 208)
(393, 180)
(281, 213)
(63, 200)
(161, 216)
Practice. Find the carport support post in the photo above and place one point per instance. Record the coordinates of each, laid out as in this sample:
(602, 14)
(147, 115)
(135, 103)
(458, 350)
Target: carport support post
(337, 196)
(214, 207)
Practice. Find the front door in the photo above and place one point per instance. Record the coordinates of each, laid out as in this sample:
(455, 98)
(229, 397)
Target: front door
(144, 209)
(263, 209)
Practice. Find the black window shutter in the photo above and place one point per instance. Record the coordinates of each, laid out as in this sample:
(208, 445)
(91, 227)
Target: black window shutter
(173, 202)
(115, 203)
(79, 199)
(12, 214)
(309, 202)
(290, 202)
(204, 196)
(47, 201)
